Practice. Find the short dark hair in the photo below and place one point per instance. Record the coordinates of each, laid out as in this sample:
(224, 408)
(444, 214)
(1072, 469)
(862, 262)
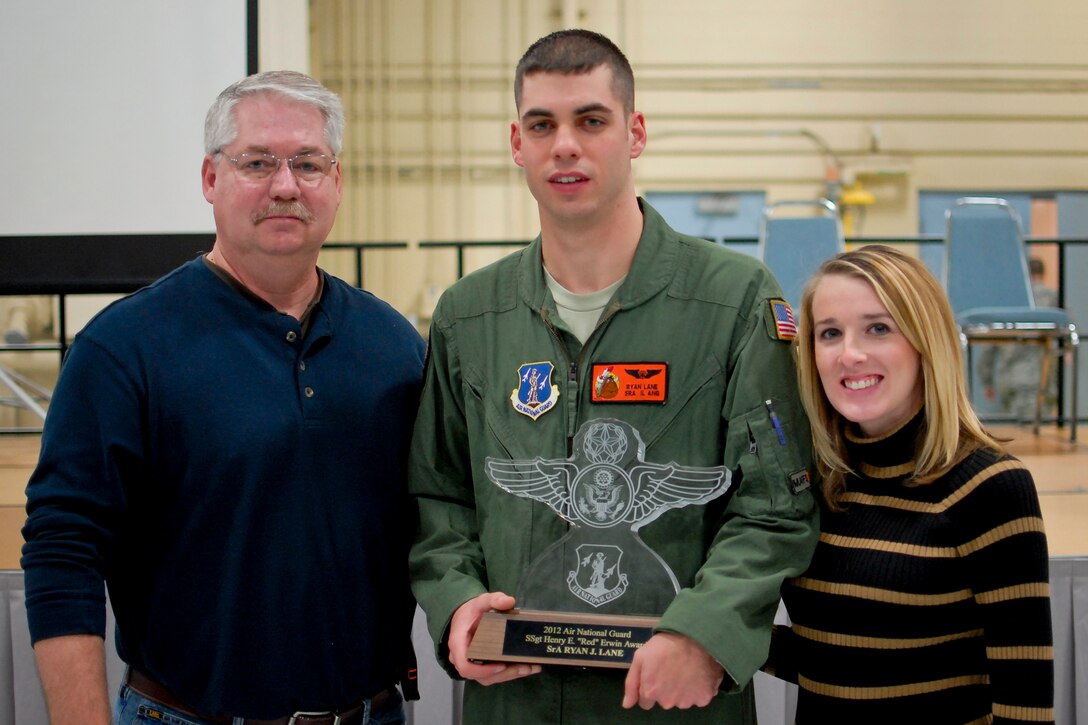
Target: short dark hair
(574, 52)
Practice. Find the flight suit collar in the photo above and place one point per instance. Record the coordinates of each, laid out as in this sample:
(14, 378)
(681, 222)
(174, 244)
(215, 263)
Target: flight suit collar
(652, 269)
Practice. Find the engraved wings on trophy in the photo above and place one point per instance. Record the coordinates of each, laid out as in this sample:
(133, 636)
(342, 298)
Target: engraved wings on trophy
(670, 486)
(538, 479)
(607, 482)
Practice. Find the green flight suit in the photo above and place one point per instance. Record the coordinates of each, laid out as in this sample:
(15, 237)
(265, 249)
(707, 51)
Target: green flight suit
(707, 313)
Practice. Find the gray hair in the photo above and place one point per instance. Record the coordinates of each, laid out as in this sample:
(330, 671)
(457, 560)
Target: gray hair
(220, 126)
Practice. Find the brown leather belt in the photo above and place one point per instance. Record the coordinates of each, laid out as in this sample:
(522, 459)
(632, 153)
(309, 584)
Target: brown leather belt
(152, 690)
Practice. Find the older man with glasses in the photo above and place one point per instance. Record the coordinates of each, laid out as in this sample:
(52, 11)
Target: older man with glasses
(226, 452)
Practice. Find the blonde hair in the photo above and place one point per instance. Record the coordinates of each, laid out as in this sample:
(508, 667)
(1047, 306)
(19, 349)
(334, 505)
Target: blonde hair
(919, 306)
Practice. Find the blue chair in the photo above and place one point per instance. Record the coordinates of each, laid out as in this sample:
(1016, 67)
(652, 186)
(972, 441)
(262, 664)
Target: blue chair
(986, 277)
(794, 247)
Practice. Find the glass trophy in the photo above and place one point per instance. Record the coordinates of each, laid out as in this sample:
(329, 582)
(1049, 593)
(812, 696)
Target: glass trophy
(593, 597)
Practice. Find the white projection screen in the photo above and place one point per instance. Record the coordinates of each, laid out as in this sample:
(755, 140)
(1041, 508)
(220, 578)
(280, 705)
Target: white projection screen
(103, 112)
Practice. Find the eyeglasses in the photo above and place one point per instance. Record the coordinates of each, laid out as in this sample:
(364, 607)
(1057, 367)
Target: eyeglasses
(307, 168)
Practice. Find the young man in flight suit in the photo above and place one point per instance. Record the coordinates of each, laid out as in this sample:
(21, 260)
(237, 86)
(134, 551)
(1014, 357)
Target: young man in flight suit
(606, 296)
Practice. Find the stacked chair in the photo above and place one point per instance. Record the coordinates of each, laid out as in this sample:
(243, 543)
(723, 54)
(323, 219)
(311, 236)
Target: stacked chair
(986, 277)
(794, 247)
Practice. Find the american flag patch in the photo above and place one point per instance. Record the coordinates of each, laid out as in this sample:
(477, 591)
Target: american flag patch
(785, 327)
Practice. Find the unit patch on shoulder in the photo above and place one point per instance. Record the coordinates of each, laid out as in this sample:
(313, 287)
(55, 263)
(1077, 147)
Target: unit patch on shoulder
(785, 326)
(630, 382)
(535, 394)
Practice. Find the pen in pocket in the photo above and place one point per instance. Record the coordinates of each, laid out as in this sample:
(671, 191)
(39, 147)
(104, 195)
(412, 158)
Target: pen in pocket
(775, 422)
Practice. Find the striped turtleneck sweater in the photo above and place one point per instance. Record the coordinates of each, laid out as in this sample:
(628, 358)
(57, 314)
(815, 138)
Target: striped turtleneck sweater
(926, 603)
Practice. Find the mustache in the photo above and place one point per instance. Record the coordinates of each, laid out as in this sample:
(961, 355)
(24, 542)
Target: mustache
(284, 208)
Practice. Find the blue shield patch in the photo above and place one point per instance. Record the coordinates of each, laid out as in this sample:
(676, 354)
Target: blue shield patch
(535, 394)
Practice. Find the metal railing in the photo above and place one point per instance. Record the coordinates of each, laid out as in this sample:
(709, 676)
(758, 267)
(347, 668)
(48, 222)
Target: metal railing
(63, 266)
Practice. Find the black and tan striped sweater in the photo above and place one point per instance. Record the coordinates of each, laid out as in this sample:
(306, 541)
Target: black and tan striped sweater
(924, 604)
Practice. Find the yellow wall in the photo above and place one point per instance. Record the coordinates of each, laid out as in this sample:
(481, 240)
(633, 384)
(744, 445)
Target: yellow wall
(738, 96)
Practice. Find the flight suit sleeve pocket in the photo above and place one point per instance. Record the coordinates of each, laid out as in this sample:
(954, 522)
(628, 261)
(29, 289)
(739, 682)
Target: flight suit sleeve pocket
(776, 460)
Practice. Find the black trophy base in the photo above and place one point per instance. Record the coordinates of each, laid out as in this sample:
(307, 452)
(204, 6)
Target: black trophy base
(560, 638)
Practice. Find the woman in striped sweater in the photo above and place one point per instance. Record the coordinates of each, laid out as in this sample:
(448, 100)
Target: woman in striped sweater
(927, 600)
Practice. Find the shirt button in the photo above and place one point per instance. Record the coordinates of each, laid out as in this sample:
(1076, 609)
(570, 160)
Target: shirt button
(291, 336)
(302, 365)
(308, 391)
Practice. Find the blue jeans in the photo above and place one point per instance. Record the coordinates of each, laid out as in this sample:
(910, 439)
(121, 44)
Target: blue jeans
(135, 709)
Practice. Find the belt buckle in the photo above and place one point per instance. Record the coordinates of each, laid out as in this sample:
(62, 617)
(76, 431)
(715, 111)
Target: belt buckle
(325, 713)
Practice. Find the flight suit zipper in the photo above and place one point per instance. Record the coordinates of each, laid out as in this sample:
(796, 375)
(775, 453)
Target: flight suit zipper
(571, 391)
(574, 365)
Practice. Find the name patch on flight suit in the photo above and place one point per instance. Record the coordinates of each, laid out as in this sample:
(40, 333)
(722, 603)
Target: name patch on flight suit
(535, 394)
(784, 324)
(630, 382)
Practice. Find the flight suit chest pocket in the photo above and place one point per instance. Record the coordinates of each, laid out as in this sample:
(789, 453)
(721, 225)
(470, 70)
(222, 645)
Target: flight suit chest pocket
(495, 425)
